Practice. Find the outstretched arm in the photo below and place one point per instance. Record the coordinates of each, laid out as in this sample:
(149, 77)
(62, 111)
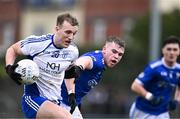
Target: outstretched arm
(84, 62)
(74, 72)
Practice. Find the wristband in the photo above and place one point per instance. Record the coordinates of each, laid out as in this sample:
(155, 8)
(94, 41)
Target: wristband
(149, 96)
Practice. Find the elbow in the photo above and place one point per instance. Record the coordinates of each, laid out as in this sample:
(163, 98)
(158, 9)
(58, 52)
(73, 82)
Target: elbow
(133, 87)
(9, 49)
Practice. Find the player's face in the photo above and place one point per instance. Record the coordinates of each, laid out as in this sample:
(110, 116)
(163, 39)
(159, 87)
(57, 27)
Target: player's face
(64, 34)
(112, 54)
(171, 53)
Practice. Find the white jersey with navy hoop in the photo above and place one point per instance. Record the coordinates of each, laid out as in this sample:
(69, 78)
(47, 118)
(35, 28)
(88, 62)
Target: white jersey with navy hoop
(52, 62)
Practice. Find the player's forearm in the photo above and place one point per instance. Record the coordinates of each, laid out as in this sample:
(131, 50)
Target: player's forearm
(10, 56)
(85, 62)
(177, 94)
(12, 52)
(70, 85)
(139, 89)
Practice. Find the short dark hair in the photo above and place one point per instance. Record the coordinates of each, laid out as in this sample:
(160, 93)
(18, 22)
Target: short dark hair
(170, 40)
(116, 40)
(66, 17)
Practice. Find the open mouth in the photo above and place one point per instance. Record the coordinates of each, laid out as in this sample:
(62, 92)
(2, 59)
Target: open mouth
(114, 61)
(67, 42)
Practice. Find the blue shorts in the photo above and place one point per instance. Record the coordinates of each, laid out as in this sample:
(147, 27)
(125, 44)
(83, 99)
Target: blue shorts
(31, 104)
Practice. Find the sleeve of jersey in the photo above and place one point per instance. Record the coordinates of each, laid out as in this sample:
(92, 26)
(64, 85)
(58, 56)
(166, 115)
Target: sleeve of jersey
(145, 76)
(31, 45)
(178, 80)
(178, 75)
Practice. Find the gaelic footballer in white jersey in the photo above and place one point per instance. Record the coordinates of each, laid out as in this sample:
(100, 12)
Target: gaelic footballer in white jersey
(52, 62)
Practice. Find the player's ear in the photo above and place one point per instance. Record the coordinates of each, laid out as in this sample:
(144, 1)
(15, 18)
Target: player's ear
(163, 50)
(56, 28)
(104, 48)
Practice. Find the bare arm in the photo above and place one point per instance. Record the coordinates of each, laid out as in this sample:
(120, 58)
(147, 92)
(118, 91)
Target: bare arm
(138, 88)
(70, 85)
(12, 52)
(86, 63)
(177, 94)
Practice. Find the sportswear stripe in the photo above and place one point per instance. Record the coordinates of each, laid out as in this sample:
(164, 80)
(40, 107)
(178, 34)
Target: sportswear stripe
(158, 63)
(31, 103)
(41, 51)
(32, 41)
(132, 111)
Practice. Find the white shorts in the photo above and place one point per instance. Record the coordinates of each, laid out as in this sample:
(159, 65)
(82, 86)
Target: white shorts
(76, 114)
(138, 114)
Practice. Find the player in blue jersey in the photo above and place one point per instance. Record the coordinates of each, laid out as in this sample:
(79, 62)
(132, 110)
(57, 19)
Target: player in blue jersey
(88, 70)
(158, 85)
(53, 53)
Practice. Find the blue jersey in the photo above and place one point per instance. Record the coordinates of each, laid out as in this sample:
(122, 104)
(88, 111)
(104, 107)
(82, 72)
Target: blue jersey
(88, 78)
(160, 80)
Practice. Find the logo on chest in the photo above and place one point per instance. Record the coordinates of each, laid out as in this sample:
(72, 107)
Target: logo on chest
(177, 75)
(92, 83)
(164, 74)
(58, 54)
(53, 66)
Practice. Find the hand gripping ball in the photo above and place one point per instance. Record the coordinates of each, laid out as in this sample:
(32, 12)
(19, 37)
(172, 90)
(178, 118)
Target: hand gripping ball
(29, 71)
